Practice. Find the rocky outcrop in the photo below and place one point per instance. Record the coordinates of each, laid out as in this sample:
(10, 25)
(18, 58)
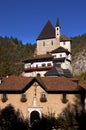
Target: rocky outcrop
(79, 62)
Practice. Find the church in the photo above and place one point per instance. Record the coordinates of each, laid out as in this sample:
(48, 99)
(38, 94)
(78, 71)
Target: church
(46, 84)
(53, 50)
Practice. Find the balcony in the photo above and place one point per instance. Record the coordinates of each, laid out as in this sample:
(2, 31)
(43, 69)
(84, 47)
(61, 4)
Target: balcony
(37, 69)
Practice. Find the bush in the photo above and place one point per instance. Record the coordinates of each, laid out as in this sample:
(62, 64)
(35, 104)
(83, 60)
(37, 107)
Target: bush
(10, 119)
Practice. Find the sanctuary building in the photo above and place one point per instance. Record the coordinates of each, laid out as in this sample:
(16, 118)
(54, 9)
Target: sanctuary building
(53, 49)
(46, 84)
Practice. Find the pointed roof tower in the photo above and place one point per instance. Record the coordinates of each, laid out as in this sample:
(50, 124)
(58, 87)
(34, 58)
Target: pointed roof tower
(47, 32)
(57, 23)
(57, 29)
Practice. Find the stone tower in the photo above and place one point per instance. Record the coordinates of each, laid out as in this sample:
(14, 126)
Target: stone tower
(47, 39)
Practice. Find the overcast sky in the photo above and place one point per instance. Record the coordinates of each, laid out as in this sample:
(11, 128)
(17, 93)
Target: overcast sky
(24, 19)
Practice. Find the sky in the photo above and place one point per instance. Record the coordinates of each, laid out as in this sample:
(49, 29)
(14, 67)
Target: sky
(24, 19)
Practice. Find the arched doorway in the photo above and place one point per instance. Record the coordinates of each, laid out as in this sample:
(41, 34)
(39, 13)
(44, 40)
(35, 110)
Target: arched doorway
(34, 116)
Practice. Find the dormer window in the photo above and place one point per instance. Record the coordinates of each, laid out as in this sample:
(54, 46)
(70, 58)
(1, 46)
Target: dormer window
(43, 97)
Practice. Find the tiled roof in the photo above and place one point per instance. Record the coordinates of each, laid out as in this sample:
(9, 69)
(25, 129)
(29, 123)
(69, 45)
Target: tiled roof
(39, 57)
(18, 84)
(64, 38)
(57, 71)
(14, 83)
(60, 50)
(47, 32)
(59, 84)
(67, 73)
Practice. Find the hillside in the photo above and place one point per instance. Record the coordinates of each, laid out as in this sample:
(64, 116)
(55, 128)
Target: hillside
(12, 53)
(79, 54)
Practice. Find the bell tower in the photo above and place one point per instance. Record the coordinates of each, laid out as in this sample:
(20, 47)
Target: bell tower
(57, 29)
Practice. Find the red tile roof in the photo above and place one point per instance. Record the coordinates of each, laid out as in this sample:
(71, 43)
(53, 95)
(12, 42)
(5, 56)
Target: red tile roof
(64, 38)
(59, 84)
(14, 83)
(18, 84)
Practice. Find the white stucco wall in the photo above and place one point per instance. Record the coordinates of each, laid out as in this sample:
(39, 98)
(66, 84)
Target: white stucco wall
(66, 65)
(66, 45)
(59, 55)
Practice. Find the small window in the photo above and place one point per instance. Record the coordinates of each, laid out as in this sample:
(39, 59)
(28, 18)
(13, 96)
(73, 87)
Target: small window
(52, 43)
(36, 66)
(60, 55)
(23, 97)
(49, 64)
(43, 43)
(57, 28)
(43, 97)
(4, 97)
(64, 43)
(64, 98)
(43, 65)
(54, 56)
